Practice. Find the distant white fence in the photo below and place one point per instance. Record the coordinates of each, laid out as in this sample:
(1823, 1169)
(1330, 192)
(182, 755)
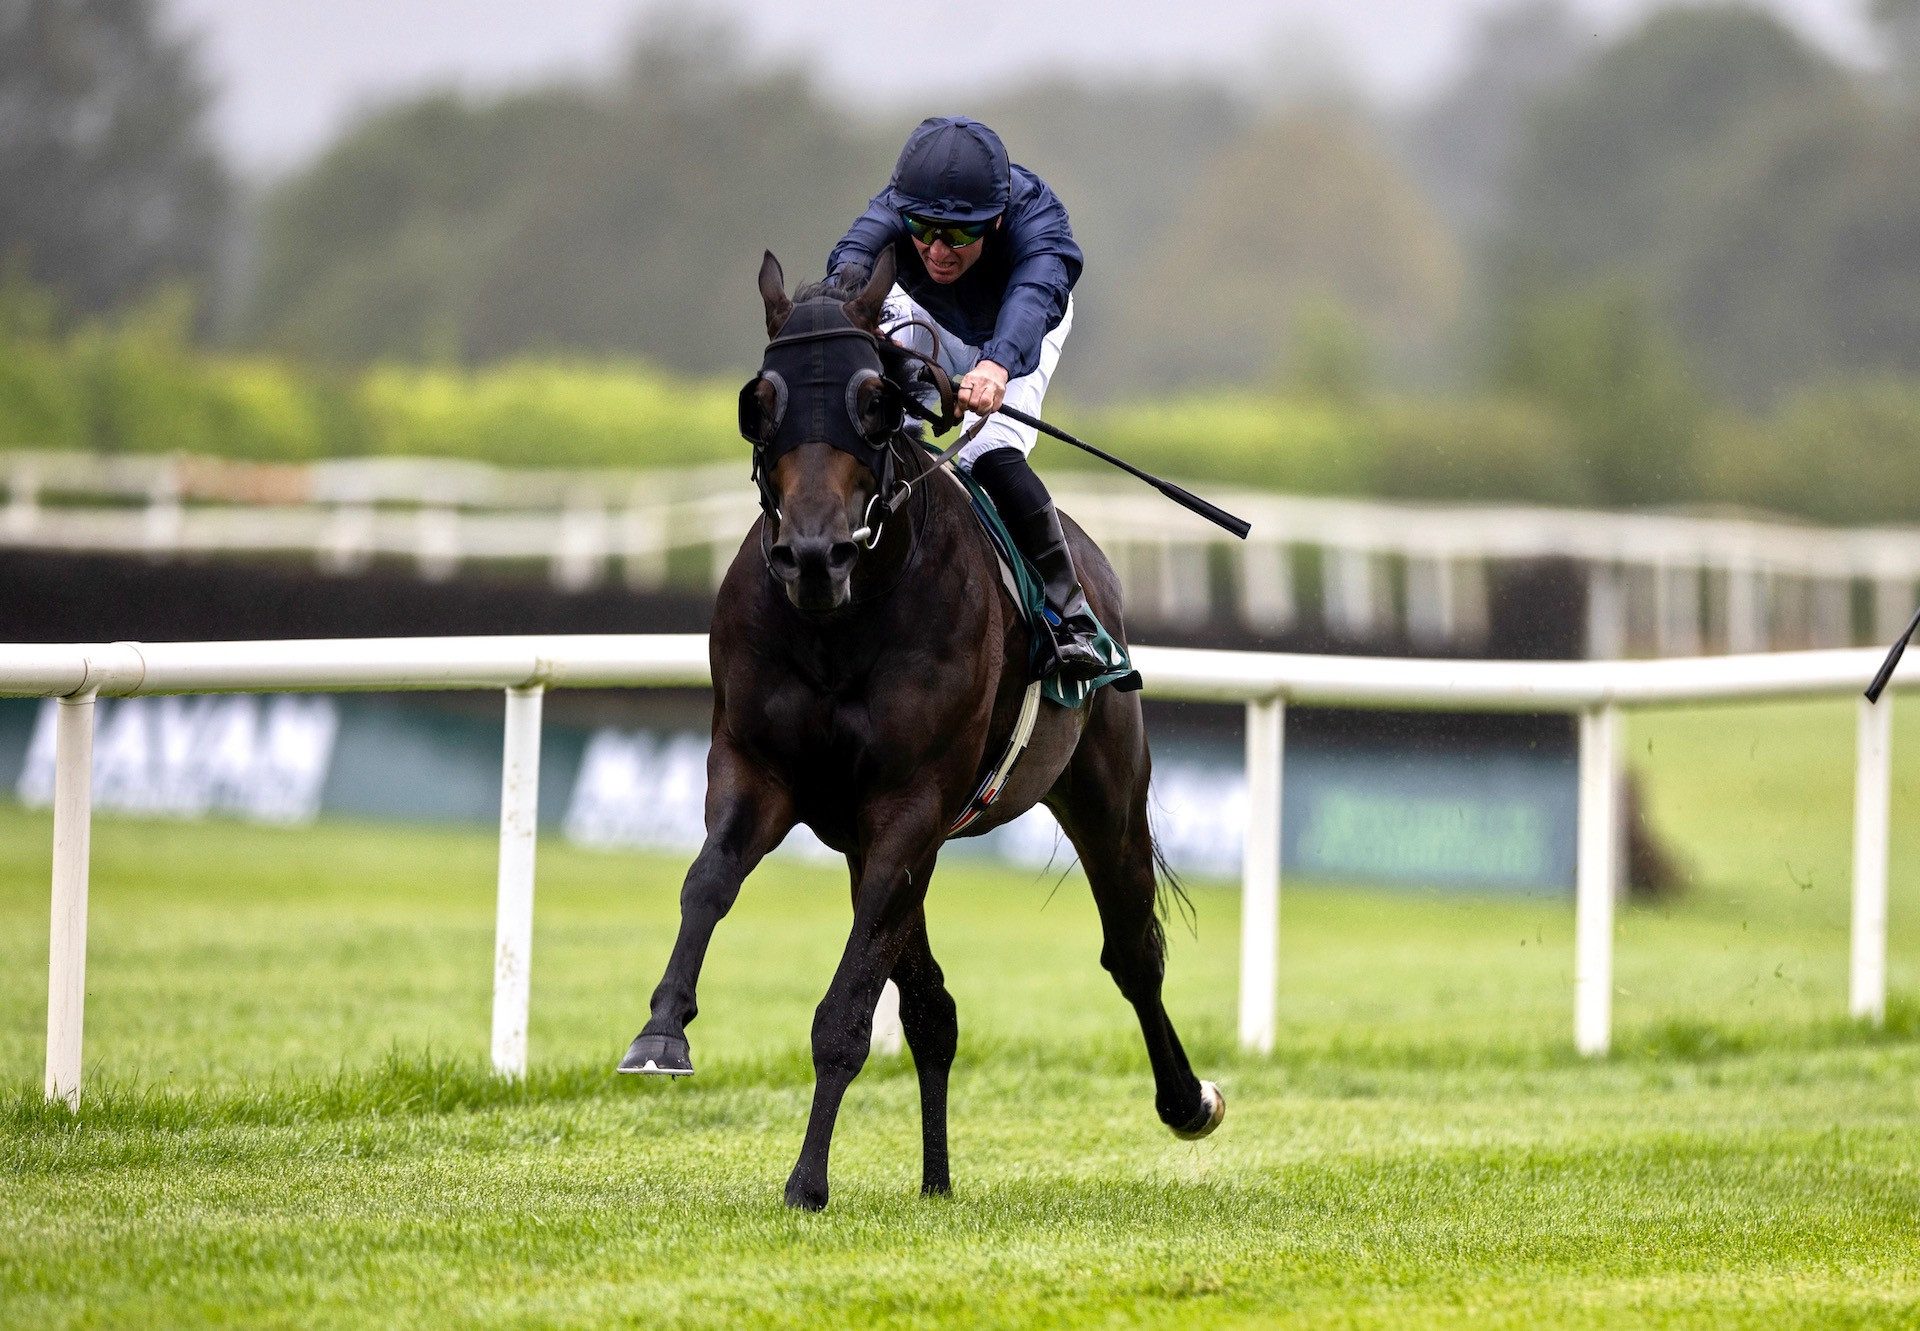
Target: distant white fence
(524, 667)
(1657, 584)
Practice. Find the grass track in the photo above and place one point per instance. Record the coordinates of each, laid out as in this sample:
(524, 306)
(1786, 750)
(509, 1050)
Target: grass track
(287, 1121)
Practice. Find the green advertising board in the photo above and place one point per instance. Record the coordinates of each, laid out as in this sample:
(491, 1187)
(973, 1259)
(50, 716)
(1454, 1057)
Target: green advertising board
(1480, 816)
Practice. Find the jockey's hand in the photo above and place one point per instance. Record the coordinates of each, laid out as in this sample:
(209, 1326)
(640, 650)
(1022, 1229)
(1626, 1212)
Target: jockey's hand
(983, 388)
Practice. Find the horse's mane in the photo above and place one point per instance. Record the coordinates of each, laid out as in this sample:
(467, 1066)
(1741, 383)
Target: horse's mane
(842, 285)
(896, 364)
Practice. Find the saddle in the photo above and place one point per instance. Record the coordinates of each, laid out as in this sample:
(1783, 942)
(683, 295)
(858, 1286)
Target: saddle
(1024, 588)
(1023, 585)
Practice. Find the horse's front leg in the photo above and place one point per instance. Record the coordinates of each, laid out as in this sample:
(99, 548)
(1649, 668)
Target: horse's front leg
(748, 812)
(905, 838)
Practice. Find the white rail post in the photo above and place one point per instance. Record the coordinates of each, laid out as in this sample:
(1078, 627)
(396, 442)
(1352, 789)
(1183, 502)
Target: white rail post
(437, 544)
(887, 1035)
(1594, 882)
(1266, 586)
(580, 554)
(23, 506)
(1746, 609)
(1606, 613)
(1872, 803)
(67, 940)
(513, 924)
(1260, 876)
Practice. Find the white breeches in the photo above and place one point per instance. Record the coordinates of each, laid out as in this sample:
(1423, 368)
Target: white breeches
(1024, 394)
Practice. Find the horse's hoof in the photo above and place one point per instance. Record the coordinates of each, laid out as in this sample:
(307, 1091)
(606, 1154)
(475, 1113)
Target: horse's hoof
(1213, 1108)
(658, 1056)
(805, 1197)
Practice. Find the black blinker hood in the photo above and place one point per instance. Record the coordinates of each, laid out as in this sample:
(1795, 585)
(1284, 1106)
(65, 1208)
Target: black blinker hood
(817, 366)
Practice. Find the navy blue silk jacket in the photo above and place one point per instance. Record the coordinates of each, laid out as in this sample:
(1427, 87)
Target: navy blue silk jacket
(1012, 296)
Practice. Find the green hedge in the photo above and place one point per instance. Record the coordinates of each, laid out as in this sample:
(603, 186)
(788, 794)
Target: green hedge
(1440, 449)
(146, 399)
(43, 402)
(1846, 453)
(1303, 447)
(551, 414)
(130, 392)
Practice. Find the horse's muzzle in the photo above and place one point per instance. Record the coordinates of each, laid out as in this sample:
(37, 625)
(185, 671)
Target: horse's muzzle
(815, 570)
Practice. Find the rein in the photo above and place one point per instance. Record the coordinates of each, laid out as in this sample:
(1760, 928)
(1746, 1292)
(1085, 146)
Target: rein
(944, 419)
(939, 460)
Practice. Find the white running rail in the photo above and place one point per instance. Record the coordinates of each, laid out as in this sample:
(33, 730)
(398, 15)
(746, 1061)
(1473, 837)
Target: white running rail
(524, 667)
(1664, 584)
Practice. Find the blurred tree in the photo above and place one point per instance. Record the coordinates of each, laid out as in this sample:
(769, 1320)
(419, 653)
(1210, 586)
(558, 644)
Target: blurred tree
(1600, 356)
(1463, 143)
(1126, 160)
(1740, 179)
(110, 183)
(1303, 211)
(623, 219)
(1804, 259)
(646, 234)
(1619, 164)
(29, 312)
(380, 247)
(1332, 357)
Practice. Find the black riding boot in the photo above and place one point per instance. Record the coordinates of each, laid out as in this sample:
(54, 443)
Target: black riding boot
(1034, 523)
(1041, 539)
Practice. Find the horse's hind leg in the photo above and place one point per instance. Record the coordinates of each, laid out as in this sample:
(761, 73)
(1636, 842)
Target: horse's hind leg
(748, 813)
(1101, 802)
(930, 1022)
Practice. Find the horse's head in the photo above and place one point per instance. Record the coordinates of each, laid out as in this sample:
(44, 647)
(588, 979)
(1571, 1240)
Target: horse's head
(821, 416)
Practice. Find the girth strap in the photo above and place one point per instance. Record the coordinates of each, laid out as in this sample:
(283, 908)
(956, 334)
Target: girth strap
(989, 792)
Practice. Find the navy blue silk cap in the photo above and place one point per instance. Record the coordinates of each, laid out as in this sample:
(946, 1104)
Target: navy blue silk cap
(953, 169)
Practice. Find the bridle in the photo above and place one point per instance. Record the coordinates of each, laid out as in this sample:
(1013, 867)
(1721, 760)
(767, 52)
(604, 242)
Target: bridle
(830, 360)
(915, 526)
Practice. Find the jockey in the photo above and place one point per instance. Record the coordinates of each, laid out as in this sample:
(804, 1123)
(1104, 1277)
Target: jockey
(985, 256)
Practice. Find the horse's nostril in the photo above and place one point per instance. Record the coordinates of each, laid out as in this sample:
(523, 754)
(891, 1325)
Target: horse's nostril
(842, 554)
(784, 562)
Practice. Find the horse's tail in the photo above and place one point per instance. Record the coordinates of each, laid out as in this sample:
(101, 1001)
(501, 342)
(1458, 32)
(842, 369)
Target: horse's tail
(1170, 892)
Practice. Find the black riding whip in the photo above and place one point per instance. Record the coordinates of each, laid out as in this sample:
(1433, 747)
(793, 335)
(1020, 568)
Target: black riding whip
(1185, 498)
(1885, 672)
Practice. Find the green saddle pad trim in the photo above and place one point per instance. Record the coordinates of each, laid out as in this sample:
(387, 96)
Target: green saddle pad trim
(1033, 604)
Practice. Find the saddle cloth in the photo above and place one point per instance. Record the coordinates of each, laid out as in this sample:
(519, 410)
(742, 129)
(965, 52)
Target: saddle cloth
(1028, 593)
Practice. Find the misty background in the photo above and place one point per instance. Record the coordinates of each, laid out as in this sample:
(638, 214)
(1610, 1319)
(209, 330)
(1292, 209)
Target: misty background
(1602, 253)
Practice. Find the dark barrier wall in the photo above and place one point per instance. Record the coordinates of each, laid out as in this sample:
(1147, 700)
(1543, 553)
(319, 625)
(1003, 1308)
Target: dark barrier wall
(98, 598)
(1536, 611)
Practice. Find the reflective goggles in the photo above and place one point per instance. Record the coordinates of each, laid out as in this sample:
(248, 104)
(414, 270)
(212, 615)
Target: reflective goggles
(958, 235)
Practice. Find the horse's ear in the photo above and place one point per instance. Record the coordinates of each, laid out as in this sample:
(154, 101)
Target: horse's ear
(864, 309)
(773, 290)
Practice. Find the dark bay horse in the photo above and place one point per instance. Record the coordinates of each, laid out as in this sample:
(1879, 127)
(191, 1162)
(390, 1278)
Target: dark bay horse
(863, 682)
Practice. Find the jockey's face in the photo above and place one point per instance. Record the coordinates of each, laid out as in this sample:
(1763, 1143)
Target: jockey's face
(944, 263)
